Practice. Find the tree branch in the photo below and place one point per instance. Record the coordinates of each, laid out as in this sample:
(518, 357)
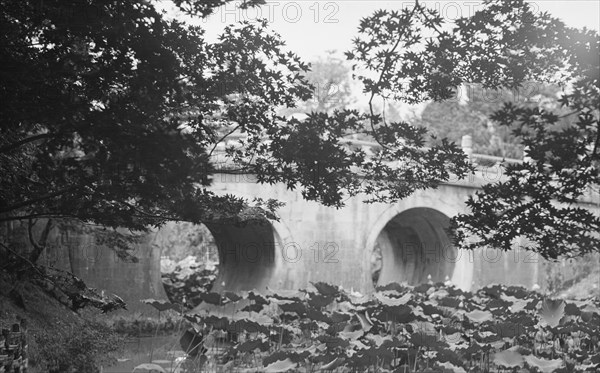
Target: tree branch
(37, 247)
(22, 258)
(14, 145)
(148, 215)
(596, 144)
(568, 114)
(40, 215)
(30, 225)
(223, 138)
(383, 71)
(424, 14)
(36, 200)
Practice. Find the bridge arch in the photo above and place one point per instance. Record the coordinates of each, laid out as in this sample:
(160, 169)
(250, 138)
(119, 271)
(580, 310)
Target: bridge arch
(413, 241)
(250, 255)
(246, 255)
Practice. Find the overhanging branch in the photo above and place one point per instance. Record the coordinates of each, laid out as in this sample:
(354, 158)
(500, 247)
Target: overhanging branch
(15, 145)
(36, 200)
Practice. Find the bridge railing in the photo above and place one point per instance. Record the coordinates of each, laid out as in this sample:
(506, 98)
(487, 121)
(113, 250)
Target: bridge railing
(371, 147)
(483, 160)
(484, 163)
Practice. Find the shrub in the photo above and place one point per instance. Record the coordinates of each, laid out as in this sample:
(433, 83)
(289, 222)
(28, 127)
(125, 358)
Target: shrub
(137, 325)
(188, 280)
(76, 349)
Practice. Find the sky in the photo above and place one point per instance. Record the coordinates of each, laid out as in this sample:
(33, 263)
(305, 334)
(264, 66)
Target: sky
(312, 27)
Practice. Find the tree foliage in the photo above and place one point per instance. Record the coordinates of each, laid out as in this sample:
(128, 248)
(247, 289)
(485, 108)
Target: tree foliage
(112, 114)
(412, 55)
(111, 119)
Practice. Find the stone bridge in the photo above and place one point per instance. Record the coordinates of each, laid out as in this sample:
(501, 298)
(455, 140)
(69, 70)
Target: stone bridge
(316, 243)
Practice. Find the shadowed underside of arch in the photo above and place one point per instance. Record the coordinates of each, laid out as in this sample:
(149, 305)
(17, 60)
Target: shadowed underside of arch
(246, 255)
(415, 245)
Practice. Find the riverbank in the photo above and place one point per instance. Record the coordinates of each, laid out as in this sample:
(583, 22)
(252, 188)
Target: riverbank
(59, 340)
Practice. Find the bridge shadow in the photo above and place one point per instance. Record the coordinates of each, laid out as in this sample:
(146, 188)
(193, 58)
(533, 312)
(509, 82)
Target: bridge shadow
(246, 255)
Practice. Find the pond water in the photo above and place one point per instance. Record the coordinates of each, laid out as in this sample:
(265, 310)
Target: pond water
(166, 352)
(163, 351)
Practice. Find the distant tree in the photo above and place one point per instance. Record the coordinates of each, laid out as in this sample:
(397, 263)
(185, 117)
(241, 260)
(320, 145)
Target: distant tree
(452, 119)
(331, 78)
(469, 111)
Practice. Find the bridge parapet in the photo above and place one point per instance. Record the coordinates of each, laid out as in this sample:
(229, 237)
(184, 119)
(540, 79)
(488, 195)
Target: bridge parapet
(371, 147)
(489, 168)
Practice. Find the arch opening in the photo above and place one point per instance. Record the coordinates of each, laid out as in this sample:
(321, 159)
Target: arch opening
(189, 261)
(413, 246)
(246, 255)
